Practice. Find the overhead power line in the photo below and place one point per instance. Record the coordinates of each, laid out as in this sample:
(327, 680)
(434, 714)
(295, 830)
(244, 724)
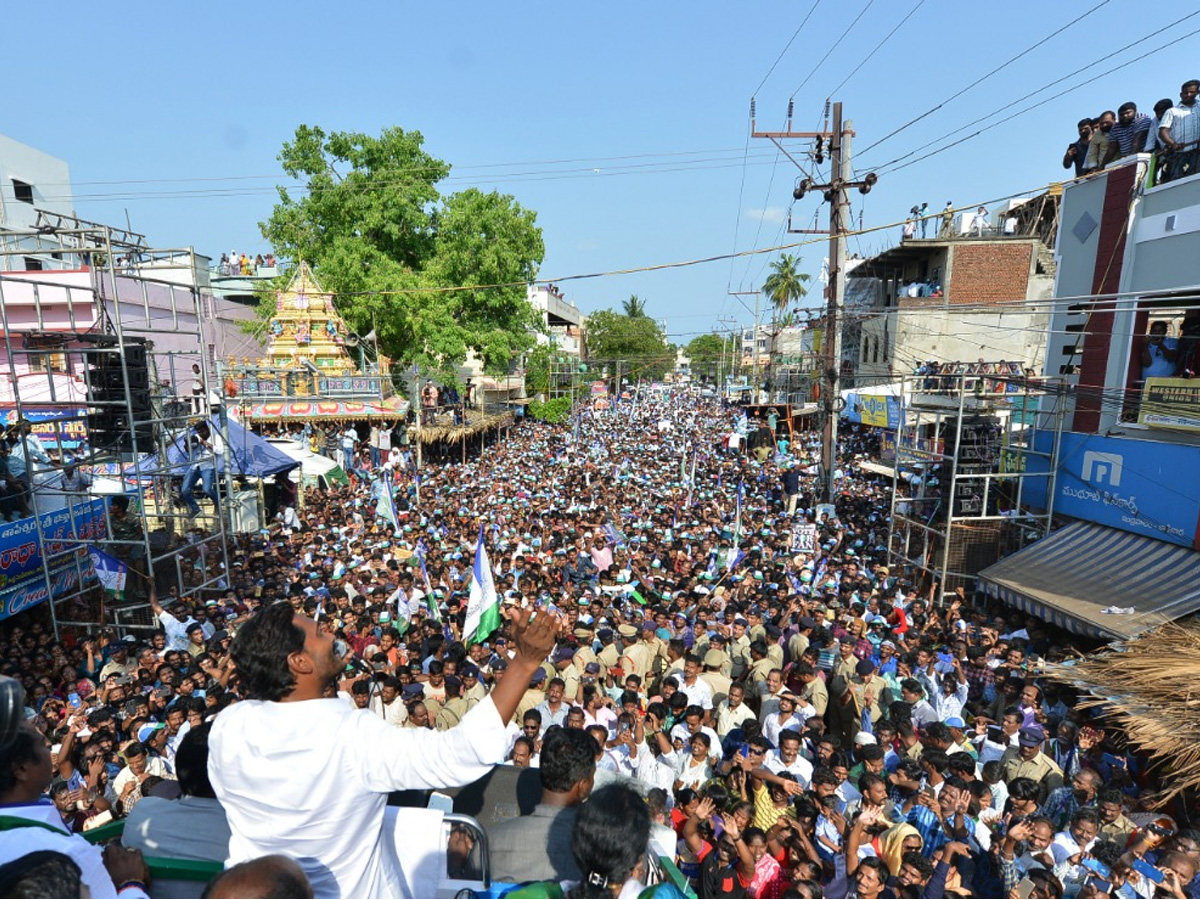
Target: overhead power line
(681, 264)
(795, 34)
(981, 79)
(877, 47)
(832, 47)
(1105, 59)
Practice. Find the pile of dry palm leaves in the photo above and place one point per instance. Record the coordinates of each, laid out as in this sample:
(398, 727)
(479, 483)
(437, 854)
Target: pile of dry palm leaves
(1149, 687)
(453, 434)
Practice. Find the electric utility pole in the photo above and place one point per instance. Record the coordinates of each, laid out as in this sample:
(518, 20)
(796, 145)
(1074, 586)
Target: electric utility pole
(841, 173)
(754, 339)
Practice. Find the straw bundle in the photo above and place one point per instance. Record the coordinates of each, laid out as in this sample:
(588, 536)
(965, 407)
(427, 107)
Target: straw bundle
(1149, 687)
(453, 434)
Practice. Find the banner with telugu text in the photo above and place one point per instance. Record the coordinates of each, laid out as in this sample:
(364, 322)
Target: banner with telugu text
(22, 578)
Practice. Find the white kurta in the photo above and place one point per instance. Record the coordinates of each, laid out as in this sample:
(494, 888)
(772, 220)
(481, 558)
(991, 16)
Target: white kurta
(310, 780)
(16, 842)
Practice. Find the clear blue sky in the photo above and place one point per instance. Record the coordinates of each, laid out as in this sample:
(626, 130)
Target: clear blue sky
(176, 114)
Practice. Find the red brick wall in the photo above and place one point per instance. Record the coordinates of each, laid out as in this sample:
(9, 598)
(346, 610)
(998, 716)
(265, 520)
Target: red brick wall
(1110, 259)
(989, 273)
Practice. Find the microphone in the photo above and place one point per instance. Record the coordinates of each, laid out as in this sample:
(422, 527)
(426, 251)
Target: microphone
(342, 651)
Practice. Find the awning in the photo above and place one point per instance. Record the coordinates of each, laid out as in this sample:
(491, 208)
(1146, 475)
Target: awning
(1098, 581)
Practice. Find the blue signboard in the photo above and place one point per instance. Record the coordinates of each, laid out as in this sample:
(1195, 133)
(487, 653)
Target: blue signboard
(64, 577)
(22, 579)
(1145, 487)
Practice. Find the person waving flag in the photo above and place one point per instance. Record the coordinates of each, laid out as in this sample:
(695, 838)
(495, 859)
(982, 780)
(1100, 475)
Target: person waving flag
(483, 607)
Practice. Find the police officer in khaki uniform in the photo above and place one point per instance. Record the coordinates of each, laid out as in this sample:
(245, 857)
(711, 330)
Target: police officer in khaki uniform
(473, 689)
(760, 666)
(1027, 760)
(756, 630)
(638, 656)
(563, 663)
(739, 649)
(719, 643)
(774, 648)
(814, 691)
(584, 654)
(454, 708)
(534, 694)
(799, 641)
(713, 660)
(608, 656)
(659, 658)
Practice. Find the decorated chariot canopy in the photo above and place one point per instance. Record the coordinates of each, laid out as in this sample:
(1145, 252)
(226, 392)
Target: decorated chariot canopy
(306, 328)
(331, 410)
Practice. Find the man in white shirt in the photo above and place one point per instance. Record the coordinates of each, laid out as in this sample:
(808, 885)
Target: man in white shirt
(912, 692)
(36, 824)
(787, 759)
(175, 623)
(792, 715)
(387, 703)
(692, 724)
(770, 691)
(308, 777)
(348, 443)
(695, 688)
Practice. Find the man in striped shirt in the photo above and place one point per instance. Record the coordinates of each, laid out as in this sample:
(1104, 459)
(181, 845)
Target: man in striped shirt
(1128, 136)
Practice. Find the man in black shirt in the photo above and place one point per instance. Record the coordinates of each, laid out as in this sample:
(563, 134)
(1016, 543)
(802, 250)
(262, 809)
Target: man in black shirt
(1077, 152)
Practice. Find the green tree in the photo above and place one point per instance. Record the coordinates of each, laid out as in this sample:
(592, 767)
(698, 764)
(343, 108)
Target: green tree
(785, 285)
(380, 236)
(710, 353)
(634, 307)
(537, 369)
(638, 341)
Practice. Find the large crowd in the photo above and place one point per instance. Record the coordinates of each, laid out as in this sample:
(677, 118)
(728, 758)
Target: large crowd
(795, 718)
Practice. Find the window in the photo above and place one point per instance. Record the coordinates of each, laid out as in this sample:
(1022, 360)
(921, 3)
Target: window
(22, 191)
(32, 265)
(48, 362)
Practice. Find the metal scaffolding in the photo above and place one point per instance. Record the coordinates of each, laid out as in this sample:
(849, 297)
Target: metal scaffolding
(962, 461)
(97, 344)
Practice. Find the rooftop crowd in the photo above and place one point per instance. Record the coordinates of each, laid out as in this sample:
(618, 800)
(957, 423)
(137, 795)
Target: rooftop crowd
(792, 717)
(1173, 132)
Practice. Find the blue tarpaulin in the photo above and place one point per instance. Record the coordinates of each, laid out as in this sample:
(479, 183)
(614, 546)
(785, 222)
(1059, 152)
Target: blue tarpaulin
(252, 455)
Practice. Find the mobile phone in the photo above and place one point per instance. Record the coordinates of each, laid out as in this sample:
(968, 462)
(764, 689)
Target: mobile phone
(73, 699)
(1025, 887)
(995, 734)
(1155, 875)
(1096, 866)
(1099, 884)
(744, 751)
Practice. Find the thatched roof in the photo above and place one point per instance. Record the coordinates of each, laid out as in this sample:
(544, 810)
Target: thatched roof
(1149, 687)
(476, 422)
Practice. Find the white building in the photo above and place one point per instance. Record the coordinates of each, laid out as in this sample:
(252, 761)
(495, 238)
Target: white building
(30, 181)
(561, 320)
